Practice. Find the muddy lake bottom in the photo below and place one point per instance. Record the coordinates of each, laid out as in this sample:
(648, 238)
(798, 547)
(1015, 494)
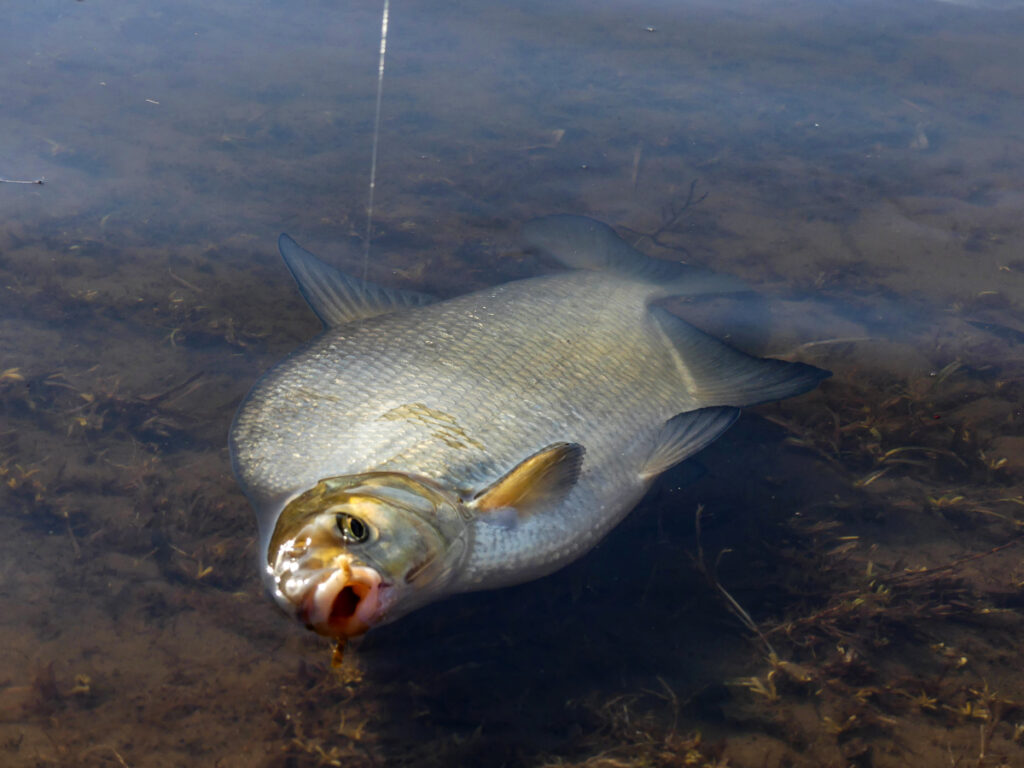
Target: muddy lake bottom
(838, 581)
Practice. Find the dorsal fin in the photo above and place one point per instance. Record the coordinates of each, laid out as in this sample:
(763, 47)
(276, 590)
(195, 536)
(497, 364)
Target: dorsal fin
(543, 478)
(685, 434)
(337, 298)
(716, 374)
(579, 242)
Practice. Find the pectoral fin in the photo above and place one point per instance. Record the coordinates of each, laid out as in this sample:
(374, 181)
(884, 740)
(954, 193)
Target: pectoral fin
(544, 478)
(685, 434)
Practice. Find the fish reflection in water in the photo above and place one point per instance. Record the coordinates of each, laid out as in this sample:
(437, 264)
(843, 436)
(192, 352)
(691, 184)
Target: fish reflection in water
(419, 448)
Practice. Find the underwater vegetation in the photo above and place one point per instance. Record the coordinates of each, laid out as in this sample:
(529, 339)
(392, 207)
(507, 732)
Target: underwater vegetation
(838, 582)
(855, 600)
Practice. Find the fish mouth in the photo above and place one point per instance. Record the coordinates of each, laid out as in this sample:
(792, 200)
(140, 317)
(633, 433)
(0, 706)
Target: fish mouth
(345, 604)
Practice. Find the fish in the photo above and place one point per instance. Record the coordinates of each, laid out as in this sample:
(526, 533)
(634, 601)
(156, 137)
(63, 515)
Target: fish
(421, 448)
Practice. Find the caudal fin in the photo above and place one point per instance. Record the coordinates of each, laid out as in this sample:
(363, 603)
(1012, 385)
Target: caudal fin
(579, 242)
(715, 374)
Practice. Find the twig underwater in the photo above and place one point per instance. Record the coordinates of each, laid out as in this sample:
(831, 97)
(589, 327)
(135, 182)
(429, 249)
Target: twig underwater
(711, 575)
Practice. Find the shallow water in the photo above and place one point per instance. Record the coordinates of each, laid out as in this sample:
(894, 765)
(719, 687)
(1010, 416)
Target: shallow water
(861, 166)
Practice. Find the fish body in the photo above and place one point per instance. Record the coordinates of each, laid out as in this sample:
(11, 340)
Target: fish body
(416, 450)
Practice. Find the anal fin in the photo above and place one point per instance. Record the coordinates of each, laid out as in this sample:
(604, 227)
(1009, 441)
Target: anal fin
(685, 434)
(544, 478)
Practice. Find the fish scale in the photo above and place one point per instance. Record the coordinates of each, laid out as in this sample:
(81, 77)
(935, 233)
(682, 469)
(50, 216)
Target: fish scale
(460, 394)
(480, 358)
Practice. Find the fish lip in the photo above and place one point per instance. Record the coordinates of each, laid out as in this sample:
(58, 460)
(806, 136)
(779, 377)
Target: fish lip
(345, 603)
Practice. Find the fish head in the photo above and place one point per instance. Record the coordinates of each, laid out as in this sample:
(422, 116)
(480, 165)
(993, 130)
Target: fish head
(357, 551)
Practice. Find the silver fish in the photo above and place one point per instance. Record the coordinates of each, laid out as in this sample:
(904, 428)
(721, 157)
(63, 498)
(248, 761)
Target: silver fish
(417, 449)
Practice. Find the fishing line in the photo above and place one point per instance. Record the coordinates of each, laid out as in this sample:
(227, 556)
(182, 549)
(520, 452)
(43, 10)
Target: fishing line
(376, 134)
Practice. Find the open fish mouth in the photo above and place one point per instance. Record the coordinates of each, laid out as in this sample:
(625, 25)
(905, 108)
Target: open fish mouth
(345, 604)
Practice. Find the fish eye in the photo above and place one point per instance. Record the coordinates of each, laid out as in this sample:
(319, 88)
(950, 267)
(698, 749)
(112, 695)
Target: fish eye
(353, 530)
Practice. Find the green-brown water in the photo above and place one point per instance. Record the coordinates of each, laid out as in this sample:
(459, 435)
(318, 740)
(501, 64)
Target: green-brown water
(862, 166)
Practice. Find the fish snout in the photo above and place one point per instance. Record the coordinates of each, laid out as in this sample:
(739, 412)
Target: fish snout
(345, 604)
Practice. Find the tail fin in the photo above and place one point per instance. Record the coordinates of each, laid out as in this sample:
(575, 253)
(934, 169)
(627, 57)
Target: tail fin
(716, 374)
(578, 242)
